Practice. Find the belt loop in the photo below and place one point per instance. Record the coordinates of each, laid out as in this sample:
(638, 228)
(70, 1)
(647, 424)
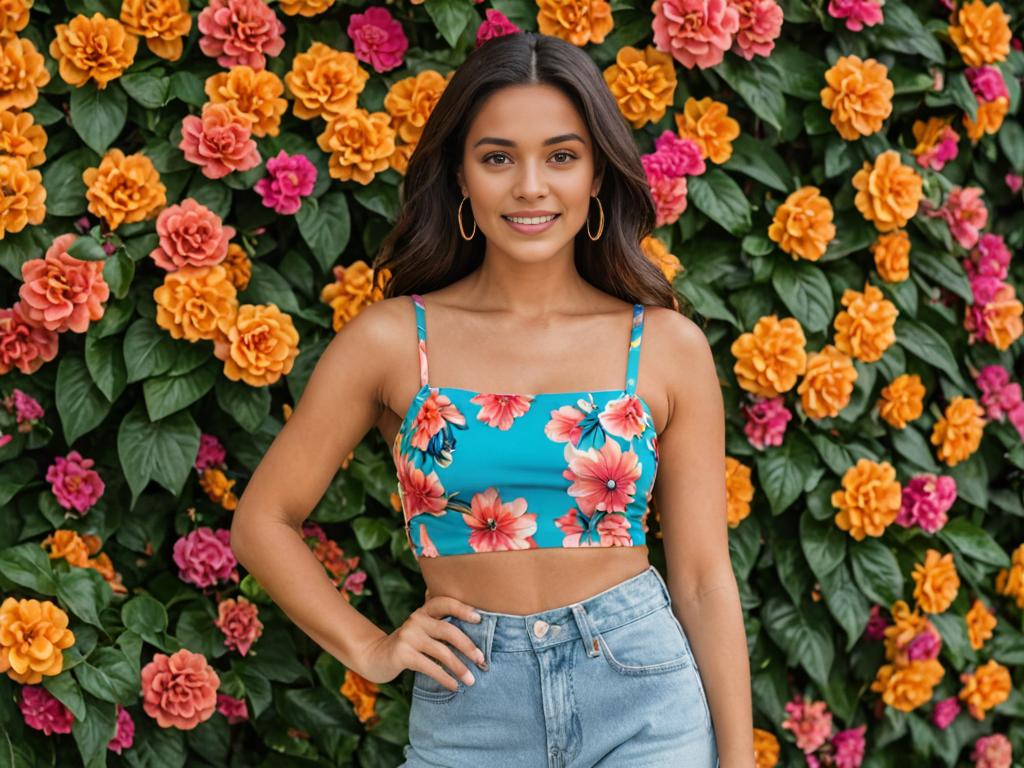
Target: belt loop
(492, 622)
(661, 580)
(590, 641)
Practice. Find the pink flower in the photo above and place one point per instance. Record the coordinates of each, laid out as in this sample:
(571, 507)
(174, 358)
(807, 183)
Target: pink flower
(377, 39)
(312, 530)
(204, 557)
(858, 13)
(849, 747)
(61, 293)
(989, 295)
(355, 582)
(211, 452)
(124, 736)
(239, 621)
(219, 142)
(43, 711)
(289, 178)
(925, 501)
(27, 408)
(235, 710)
(766, 421)
(944, 151)
(945, 711)
(1014, 181)
(696, 32)
(74, 483)
(22, 345)
(993, 751)
(1017, 419)
(191, 235)
(624, 417)
(501, 411)
(421, 493)
(998, 396)
(987, 83)
(877, 622)
(497, 525)
(495, 24)
(669, 193)
(964, 213)
(925, 645)
(5, 439)
(180, 690)
(603, 478)
(240, 32)
(991, 257)
(673, 156)
(601, 529)
(760, 24)
(810, 722)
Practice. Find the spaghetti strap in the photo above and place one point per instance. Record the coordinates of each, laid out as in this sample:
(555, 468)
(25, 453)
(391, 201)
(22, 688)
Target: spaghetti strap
(635, 336)
(421, 334)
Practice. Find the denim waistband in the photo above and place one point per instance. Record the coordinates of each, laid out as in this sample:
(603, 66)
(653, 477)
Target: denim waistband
(619, 604)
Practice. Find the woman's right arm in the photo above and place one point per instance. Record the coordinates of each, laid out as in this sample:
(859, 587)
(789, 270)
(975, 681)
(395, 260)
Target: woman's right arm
(342, 401)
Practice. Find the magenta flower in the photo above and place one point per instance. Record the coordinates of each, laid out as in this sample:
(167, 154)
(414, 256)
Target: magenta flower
(204, 557)
(74, 483)
(495, 24)
(926, 500)
(925, 645)
(1014, 181)
(26, 408)
(999, 396)
(240, 32)
(377, 39)
(944, 151)
(697, 33)
(877, 622)
(289, 178)
(211, 452)
(991, 257)
(945, 711)
(766, 421)
(849, 747)
(760, 24)
(987, 83)
(312, 530)
(857, 13)
(673, 156)
(235, 710)
(964, 213)
(43, 711)
(355, 582)
(124, 736)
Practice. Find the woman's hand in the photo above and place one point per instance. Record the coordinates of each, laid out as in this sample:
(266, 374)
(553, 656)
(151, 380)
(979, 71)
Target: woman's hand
(418, 642)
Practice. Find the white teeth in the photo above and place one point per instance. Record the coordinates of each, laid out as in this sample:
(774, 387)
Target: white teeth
(536, 220)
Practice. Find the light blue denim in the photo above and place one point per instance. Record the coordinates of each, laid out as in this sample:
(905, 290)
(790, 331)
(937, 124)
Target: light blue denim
(610, 681)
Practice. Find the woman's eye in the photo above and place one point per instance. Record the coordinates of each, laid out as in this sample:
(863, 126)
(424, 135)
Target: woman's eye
(564, 153)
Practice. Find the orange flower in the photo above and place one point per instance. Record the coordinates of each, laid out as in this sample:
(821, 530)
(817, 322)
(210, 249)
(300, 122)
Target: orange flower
(869, 500)
(94, 48)
(161, 23)
(928, 134)
(958, 433)
(769, 358)
(980, 623)
(14, 18)
(906, 687)
(67, 545)
(1001, 323)
(304, 7)
(859, 93)
(218, 488)
(22, 73)
(363, 695)
(576, 21)
(102, 564)
(706, 122)
(354, 288)
(902, 400)
(892, 256)
(989, 118)
(238, 265)
(888, 192)
(260, 347)
(251, 95)
(982, 33)
(33, 636)
(936, 581)
(196, 303)
(21, 137)
(766, 749)
(907, 624)
(866, 328)
(738, 490)
(22, 195)
(411, 100)
(656, 251)
(988, 686)
(325, 82)
(802, 224)
(360, 144)
(643, 84)
(124, 189)
(828, 383)
(1011, 582)
(399, 159)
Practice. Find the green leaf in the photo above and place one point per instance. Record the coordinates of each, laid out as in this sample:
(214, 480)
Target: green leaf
(104, 360)
(1011, 141)
(876, 571)
(27, 565)
(80, 403)
(325, 226)
(85, 593)
(62, 178)
(756, 159)
(108, 675)
(66, 689)
(720, 198)
(758, 85)
(969, 540)
(146, 616)
(98, 115)
(958, 90)
(805, 291)
(942, 269)
(846, 603)
(165, 395)
(800, 74)
(93, 733)
(705, 300)
(87, 249)
(148, 350)
(783, 471)
(911, 445)
(248, 406)
(972, 482)
(371, 532)
(149, 88)
(928, 345)
(450, 17)
(955, 641)
(163, 450)
(823, 543)
(806, 643)
(903, 32)
(118, 271)
(268, 287)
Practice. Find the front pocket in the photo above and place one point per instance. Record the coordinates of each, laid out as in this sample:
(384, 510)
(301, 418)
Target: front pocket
(427, 688)
(648, 645)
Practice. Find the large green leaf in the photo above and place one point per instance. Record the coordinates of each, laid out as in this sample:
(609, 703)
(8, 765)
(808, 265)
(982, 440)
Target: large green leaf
(720, 198)
(806, 642)
(325, 226)
(163, 450)
(928, 345)
(783, 471)
(28, 566)
(98, 115)
(80, 403)
(805, 291)
(876, 571)
(85, 593)
(969, 540)
(757, 159)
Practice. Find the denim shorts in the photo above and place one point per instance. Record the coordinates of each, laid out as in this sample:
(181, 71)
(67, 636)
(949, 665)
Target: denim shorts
(610, 681)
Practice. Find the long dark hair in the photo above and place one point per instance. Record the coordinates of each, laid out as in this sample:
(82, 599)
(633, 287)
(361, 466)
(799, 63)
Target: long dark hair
(424, 250)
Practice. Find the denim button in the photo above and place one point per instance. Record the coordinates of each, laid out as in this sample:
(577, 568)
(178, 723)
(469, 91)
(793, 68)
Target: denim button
(540, 628)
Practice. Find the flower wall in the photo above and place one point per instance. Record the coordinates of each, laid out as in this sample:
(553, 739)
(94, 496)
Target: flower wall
(190, 202)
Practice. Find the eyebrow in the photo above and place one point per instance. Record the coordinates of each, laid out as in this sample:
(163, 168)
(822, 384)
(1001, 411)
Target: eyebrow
(508, 143)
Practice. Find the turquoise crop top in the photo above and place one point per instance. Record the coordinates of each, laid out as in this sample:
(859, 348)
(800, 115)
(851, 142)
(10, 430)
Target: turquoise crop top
(482, 472)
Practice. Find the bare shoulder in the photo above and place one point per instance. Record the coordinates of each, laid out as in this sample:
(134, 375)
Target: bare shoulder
(680, 356)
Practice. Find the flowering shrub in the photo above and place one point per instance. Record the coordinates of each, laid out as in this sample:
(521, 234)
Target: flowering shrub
(190, 202)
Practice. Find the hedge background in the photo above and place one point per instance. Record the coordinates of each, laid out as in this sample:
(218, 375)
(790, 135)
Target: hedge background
(165, 307)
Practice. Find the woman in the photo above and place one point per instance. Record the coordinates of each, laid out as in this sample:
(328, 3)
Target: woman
(547, 638)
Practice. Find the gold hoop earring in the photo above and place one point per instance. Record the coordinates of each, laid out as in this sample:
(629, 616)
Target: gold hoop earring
(459, 217)
(600, 226)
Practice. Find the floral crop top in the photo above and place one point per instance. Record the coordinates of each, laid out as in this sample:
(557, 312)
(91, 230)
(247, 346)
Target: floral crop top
(486, 472)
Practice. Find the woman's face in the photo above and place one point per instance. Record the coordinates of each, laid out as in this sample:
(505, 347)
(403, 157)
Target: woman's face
(528, 150)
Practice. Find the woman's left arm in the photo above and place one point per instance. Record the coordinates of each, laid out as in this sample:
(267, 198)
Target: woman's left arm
(690, 495)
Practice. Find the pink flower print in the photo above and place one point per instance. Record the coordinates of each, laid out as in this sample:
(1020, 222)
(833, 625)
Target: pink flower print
(600, 529)
(604, 478)
(501, 410)
(426, 544)
(498, 526)
(564, 425)
(624, 417)
(420, 493)
(436, 411)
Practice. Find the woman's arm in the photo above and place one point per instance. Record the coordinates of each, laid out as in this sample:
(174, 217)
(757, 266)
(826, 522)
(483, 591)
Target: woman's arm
(690, 495)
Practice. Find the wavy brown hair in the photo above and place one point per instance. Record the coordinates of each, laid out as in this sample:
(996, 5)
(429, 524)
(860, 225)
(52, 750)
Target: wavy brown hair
(424, 250)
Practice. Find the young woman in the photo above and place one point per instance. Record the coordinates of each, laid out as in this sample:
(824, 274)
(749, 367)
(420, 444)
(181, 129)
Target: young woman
(527, 433)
